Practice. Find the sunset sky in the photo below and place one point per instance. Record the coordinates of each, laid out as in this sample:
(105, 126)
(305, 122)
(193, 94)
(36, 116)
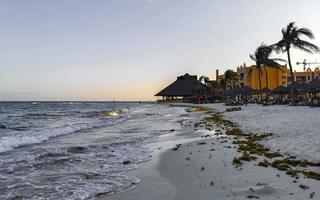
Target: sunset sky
(130, 49)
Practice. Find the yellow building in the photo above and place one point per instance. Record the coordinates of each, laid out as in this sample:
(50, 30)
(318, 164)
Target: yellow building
(276, 77)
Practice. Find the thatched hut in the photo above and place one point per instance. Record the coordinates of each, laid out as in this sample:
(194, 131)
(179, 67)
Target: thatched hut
(185, 87)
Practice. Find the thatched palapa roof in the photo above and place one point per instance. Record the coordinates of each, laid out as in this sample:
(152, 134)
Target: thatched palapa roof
(186, 85)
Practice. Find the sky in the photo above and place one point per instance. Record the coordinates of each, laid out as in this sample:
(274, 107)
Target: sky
(130, 49)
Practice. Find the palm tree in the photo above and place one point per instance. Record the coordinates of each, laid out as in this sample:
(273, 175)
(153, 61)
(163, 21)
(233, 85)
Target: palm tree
(262, 59)
(291, 38)
(230, 76)
(204, 79)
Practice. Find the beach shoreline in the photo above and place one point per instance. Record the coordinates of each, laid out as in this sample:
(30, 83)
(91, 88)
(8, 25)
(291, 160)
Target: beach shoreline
(204, 168)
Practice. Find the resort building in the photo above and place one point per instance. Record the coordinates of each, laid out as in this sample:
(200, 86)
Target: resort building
(305, 76)
(184, 87)
(248, 76)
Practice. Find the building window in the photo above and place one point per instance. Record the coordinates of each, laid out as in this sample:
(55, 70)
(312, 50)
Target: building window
(309, 78)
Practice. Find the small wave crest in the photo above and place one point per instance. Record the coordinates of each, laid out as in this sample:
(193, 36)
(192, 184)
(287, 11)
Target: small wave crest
(112, 113)
(2, 126)
(8, 143)
(116, 112)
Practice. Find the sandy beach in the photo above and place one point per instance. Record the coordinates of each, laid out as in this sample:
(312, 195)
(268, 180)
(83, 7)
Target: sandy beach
(201, 164)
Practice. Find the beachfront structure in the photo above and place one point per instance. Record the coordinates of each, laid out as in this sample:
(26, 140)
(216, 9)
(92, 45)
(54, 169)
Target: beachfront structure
(185, 86)
(276, 77)
(306, 76)
(248, 76)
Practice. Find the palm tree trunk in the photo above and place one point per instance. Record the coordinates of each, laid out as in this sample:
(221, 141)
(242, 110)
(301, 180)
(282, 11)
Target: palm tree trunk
(259, 75)
(293, 100)
(267, 84)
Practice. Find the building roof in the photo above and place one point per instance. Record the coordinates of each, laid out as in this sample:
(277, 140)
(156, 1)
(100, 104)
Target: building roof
(185, 85)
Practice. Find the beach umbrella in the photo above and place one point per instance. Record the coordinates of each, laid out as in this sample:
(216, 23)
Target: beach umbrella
(299, 87)
(247, 90)
(264, 90)
(313, 85)
(229, 93)
(236, 89)
(281, 90)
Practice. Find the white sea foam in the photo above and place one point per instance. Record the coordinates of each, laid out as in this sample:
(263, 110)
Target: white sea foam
(112, 113)
(11, 142)
(116, 112)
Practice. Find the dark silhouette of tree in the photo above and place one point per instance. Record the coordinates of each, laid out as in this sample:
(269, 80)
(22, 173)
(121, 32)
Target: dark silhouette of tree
(230, 76)
(291, 38)
(204, 79)
(262, 59)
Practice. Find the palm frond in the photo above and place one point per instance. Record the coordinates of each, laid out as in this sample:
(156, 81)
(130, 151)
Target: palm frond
(303, 49)
(252, 57)
(284, 32)
(279, 60)
(290, 25)
(279, 47)
(306, 46)
(204, 79)
(274, 65)
(305, 31)
(270, 63)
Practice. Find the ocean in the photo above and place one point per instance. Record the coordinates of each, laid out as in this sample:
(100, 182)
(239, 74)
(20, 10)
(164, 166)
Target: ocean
(77, 150)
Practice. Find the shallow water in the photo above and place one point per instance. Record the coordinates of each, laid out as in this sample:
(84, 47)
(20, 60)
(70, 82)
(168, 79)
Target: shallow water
(77, 150)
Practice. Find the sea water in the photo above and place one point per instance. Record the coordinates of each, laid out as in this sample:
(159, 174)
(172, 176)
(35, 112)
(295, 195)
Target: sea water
(76, 150)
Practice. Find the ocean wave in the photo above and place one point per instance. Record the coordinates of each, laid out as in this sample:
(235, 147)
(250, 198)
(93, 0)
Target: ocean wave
(37, 115)
(86, 164)
(42, 115)
(105, 113)
(8, 143)
(2, 126)
(116, 112)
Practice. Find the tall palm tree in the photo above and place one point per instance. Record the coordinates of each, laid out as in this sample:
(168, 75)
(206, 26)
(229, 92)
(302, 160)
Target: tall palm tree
(230, 76)
(262, 59)
(291, 38)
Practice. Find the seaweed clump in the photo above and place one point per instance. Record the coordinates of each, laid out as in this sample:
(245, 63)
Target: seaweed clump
(176, 147)
(312, 175)
(264, 163)
(249, 146)
(304, 187)
(237, 162)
